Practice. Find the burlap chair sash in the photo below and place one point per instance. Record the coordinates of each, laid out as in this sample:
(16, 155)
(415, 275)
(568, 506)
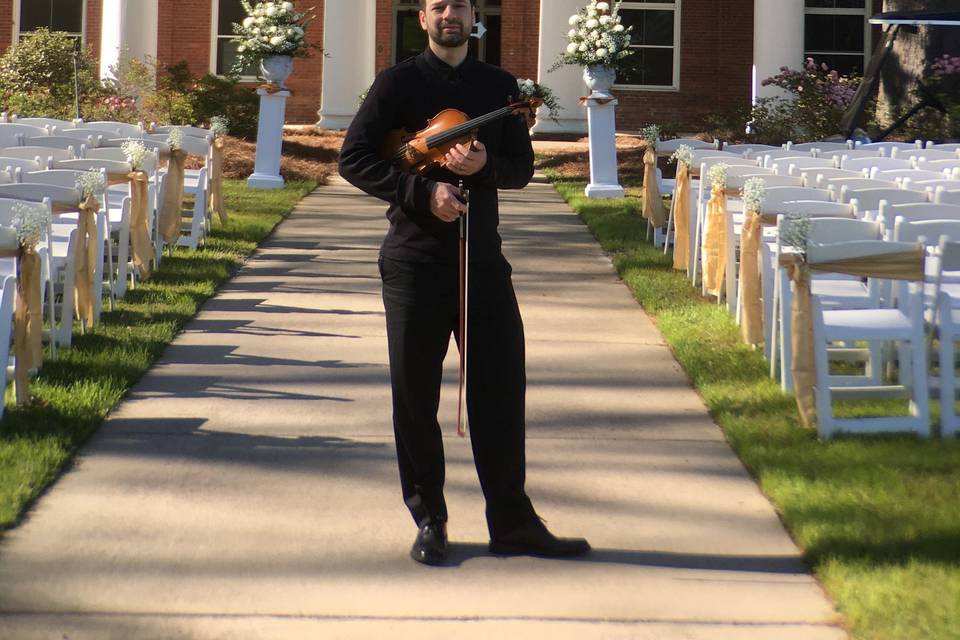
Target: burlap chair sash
(681, 218)
(899, 265)
(28, 315)
(171, 209)
(86, 260)
(751, 307)
(141, 247)
(715, 243)
(216, 180)
(653, 209)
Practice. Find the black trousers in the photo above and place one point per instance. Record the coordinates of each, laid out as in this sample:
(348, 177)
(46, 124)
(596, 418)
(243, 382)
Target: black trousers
(421, 303)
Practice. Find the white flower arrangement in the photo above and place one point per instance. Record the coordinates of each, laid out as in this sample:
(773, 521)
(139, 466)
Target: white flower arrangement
(90, 183)
(717, 175)
(271, 28)
(219, 126)
(795, 231)
(683, 155)
(597, 37)
(753, 193)
(175, 139)
(135, 152)
(651, 133)
(530, 89)
(31, 220)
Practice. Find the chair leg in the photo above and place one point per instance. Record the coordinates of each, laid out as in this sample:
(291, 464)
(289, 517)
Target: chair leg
(948, 381)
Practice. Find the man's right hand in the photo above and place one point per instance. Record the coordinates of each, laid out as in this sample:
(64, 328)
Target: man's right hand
(445, 202)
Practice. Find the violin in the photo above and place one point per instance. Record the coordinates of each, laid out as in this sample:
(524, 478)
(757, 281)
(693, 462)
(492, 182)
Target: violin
(424, 150)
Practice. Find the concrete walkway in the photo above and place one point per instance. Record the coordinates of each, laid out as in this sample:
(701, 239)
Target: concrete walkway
(247, 487)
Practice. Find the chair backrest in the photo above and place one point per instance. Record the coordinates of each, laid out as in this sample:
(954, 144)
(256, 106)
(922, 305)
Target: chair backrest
(926, 185)
(59, 142)
(10, 139)
(928, 230)
(821, 146)
(25, 130)
(859, 164)
(55, 177)
(56, 153)
(195, 146)
(749, 150)
(120, 128)
(87, 164)
(939, 165)
(50, 124)
(824, 209)
(794, 166)
(91, 136)
(200, 132)
(870, 199)
(735, 170)
(6, 210)
(926, 154)
(766, 158)
(818, 176)
(24, 164)
(772, 180)
(783, 199)
(836, 230)
(107, 153)
(917, 212)
(888, 147)
(948, 146)
(37, 192)
(840, 186)
(665, 148)
(900, 174)
(944, 196)
(852, 153)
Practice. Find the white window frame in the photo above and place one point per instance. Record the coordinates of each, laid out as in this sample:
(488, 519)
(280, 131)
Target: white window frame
(866, 12)
(214, 39)
(16, 23)
(669, 6)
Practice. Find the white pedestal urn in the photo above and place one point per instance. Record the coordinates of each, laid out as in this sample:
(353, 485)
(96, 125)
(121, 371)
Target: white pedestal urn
(276, 69)
(266, 172)
(601, 125)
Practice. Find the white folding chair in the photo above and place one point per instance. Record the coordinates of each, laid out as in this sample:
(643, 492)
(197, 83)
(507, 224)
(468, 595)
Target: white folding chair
(817, 177)
(916, 212)
(929, 185)
(92, 137)
(749, 150)
(767, 158)
(793, 166)
(925, 154)
(8, 290)
(201, 132)
(945, 326)
(25, 130)
(869, 200)
(664, 148)
(50, 124)
(47, 155)
(840, 154)
(943, 196)
(868, 165)
(949, 146)
(888, 148)
(76, 147)
(821, 146)
(122, 129)
(940, 166)
(899, 175)
(11, 165)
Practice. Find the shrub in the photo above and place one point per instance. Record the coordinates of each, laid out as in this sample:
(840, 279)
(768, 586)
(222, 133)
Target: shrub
(36, 75)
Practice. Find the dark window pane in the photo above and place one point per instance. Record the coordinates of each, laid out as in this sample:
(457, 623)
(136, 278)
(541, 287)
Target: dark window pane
(836, 4)
(649, 26)
(230, 11)
(411, 39)
(652, 67)
(492, 38)
(844, 64)
(66, 15)
(227, 55)
(34, 14)
(834, 33)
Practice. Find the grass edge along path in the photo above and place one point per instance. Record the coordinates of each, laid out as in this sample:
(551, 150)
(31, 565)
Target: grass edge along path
(877, 518)
(73, 394)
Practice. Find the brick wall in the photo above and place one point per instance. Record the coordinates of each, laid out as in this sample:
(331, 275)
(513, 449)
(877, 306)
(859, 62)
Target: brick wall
(385, 36)
(183, 33)
(520, 37)
(307, 77)
(6, 24)
(94, 21)
(716, 58)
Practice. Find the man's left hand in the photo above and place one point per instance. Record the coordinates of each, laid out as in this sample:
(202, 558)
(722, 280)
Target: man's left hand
(466, 159)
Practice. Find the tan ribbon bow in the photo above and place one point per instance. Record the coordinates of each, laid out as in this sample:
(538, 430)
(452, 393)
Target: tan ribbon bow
(216, 180)
(681, 218)
(171, 209)
(715, 243)
(653, 209)
(142, 248)
(86, 260)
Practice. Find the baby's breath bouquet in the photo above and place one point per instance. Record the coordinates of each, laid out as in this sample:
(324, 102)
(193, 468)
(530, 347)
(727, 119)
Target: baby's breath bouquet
(753, 193)
(219, 126)
(136, 153)
(651, 133)
(271, 28)
(597, 37)
(530, 89)
(683, 155)
(717, 175)
(175, 139)
(795, 231)
(31, 220)
(90, 183)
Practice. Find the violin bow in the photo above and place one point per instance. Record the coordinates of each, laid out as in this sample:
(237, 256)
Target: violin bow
(463, 311)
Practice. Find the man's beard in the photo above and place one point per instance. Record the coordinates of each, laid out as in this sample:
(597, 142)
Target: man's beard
(448, 38)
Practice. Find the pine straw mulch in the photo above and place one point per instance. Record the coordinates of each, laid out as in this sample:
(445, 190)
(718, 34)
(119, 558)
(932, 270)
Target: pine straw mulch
(574, 161)
(307, 154)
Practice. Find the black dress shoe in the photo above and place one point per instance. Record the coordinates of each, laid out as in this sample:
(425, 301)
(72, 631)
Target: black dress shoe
(533, 539)
(430, 547)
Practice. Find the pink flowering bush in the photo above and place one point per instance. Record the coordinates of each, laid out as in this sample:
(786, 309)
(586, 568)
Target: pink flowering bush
(943, 79)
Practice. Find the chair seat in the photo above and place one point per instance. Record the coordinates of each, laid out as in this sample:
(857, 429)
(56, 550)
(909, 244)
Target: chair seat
(866, 324)
(845, 294)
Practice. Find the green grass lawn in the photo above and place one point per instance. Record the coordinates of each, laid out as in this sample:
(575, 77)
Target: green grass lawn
(877, 518)
(74, 393)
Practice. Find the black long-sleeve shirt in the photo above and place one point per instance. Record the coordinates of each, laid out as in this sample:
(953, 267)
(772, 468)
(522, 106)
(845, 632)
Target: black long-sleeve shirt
(406, 96)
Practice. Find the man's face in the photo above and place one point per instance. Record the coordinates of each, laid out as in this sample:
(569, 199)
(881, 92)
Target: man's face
(448, 23)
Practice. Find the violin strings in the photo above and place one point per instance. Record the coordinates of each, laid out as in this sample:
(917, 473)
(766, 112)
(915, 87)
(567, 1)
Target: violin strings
(459, 130)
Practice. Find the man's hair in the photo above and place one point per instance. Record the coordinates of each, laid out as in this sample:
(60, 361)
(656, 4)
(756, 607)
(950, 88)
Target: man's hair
(423, 4)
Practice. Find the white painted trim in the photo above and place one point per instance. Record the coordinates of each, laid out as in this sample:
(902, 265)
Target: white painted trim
(676, 7)
(214, 37)
(15, 27)
(866, 12)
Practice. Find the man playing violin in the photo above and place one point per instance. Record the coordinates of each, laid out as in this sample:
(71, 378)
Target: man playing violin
(419, 269)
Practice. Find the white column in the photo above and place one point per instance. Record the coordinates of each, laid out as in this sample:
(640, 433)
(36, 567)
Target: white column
(266, 171)
(603, 149)
(566, 82)
(349, 63)
(777, 41)
(128, 30)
